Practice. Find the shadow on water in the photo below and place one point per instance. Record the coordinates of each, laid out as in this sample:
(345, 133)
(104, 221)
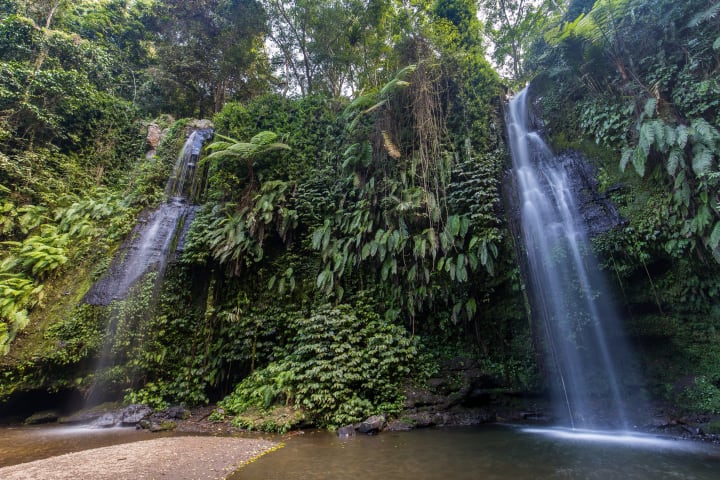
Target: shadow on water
(487, 453)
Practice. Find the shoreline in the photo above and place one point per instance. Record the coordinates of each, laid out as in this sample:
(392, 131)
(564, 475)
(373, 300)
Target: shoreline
(190, 457)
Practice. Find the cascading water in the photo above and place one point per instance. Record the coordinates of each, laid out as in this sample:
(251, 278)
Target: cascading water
(567, 292)
(148, 247)
(147, 251)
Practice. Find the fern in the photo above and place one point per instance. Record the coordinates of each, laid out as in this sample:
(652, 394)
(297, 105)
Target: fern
(600, 24)
(702, 160)
(18, 294)
(647, 138)
(625, 158)
(675, 161)
(638, 160)
(708, 14)
(229, 147)
(650, 106)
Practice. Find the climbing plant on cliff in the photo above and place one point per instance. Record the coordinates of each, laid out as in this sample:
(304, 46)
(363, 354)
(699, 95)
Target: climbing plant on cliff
(396, 228)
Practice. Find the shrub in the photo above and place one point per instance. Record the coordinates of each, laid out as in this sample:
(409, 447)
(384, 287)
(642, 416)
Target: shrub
(342, 364)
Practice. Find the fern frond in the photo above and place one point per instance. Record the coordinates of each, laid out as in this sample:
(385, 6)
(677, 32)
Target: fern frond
(638, 160)
(702, 160)
(708, 14)
(675, 161)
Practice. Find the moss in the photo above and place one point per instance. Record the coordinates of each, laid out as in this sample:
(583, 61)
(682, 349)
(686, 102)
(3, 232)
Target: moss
(713, 427)
(273, 420)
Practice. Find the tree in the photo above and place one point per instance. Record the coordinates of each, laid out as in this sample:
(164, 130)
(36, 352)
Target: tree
(326, 46)
(511, 25)
(208, 52)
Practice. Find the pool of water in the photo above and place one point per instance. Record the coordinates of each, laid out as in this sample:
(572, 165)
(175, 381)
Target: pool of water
(487, 453)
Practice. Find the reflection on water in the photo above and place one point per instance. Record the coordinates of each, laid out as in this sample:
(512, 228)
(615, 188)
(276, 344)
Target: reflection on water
(486, 453)
(25, 444)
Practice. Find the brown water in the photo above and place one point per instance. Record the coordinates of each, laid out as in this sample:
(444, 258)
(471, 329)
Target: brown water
(25, 444)
(486, 453)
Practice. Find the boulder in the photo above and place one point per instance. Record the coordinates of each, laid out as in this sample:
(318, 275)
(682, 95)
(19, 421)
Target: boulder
(403, 425)
(106, 420)
(154, 134)
(346, 431)
(176, 412)
(200, 124)
(373, 424)
(89, 415)
(133, 414)
(155, 425)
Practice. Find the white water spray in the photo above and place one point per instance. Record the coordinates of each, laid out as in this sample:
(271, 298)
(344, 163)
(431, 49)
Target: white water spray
(567, 291)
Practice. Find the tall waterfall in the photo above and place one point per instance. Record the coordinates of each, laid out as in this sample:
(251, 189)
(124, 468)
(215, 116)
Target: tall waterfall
(143, 258)
(567, 292)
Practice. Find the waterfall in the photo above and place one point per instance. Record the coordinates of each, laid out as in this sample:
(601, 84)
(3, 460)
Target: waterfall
(148, 247)
(183, 182)
(569, 298)
(142, 260)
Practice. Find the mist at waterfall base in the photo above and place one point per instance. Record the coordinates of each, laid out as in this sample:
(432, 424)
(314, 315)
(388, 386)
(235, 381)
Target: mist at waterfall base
(594, 384)
(130, 287)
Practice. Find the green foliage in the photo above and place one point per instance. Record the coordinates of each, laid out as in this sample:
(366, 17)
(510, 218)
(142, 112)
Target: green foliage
(18, 295)
(227, 151)
(392, 197)
(512, 26)
(236, 238)
(702, 396)
(342, 364)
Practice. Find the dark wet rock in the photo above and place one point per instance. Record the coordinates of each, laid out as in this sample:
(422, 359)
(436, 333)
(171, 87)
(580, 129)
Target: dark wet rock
(164, 420)
(48, 416)
(536, 417)
(661, 422)
(373, 424)
(106, 420)
(144, 250)
(175, 412)
(417, 398)
(89, 415)
(162, 426)
(597, 211)
(133, 414)
(346, 431)
(400, 425)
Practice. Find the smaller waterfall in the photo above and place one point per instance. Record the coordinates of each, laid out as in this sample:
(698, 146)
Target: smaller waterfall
(143, 258)
(568, 294)
(183, 182)
(148, 246)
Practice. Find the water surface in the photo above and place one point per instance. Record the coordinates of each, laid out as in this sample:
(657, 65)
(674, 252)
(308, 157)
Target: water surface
(25, 444)
(487, 453)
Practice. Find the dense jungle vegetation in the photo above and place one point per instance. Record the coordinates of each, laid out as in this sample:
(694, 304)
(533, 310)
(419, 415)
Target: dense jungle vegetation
(352, 234)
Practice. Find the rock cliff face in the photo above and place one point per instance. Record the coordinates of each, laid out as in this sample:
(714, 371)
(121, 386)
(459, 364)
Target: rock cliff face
(597, 211)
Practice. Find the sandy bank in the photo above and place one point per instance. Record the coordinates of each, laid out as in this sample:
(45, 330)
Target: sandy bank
(173, 458)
